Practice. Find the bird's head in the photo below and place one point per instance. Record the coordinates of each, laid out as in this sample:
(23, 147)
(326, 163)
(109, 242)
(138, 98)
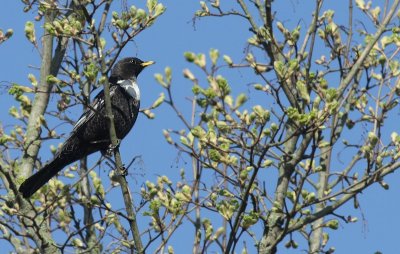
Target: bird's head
(128, 68)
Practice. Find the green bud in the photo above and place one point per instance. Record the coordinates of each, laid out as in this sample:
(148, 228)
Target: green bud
(267, 163)
(214, 54)
(159, 101)
(188, 74)
(52, 80)
(228, 60)
(373, 139)
(160, 9)
(200, 60)
(168, 74)
(215, 155)
(333, 224)
(115, 14)
(198, 132)
(141, 14)
(303, 91)
(30, 31)
(102, 43)
(149, 114)
(240, 100)
(9, 33)
(151, 4)
(190, 56)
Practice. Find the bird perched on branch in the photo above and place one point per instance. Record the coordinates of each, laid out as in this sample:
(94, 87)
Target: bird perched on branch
(91, 132)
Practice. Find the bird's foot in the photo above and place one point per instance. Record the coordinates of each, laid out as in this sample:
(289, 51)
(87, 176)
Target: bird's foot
(123, 171)
(112, 147)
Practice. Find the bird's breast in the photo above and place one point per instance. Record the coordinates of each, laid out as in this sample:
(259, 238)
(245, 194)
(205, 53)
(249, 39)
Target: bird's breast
(131, 88)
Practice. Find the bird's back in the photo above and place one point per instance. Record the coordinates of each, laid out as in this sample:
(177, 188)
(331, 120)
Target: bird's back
(91, 132)
(94, 134)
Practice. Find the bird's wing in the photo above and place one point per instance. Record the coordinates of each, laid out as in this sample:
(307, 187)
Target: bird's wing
(95, 107)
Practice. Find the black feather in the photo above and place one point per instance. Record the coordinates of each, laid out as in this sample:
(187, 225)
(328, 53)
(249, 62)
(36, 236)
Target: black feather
(91, 133)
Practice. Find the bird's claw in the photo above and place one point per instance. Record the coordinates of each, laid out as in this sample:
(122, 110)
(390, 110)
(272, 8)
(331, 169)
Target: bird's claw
(112, 147)
(122, 171)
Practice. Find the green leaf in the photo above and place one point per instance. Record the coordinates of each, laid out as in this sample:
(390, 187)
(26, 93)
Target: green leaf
(249, 219)
(97, 184)
(160, 9)
(198, 132)
(303, 90)
(77, 242)
(360, 4)
(227, 208)
(222, 126)
(5, 138)
(240, 100)
(32, 79)
(189, 75)
(262, 114)
(151, 4)
(184, 141)
(90, 71)
(6, 36)
(373, 139)
(168, 74)
(331, 94)
(280, 69)
(140, 15)
(215, 155)
(259, 87)
(204, 7)
(30, 31)
(190, 56)
(223, 85)
(333, 224)
(52, 80)
(228, 60)
(267, 163)
(386, 40)
(202, 102)
(13, 111)
(160, 79)
(310, 197)
(149, 114)
(200, 60)
(226, 193)
(214, 54)
(159, 101)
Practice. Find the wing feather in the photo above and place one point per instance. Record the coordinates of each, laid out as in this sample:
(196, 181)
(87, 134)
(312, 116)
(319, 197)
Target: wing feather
(95, 107)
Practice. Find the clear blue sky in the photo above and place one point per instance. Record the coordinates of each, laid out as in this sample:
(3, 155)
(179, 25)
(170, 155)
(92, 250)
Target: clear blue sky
(165, 42)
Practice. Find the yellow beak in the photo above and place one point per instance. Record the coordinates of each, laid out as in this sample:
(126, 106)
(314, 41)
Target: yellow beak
(144, 64)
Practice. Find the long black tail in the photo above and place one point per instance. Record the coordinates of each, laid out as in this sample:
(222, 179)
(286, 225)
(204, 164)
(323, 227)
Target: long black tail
(40, 178)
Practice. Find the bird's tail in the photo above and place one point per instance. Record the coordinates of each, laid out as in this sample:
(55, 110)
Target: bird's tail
(40, 178)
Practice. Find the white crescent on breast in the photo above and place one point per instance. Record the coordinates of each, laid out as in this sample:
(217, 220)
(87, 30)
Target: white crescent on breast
(131, 87)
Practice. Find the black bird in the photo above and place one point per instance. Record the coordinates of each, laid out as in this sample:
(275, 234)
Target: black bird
(90, 133)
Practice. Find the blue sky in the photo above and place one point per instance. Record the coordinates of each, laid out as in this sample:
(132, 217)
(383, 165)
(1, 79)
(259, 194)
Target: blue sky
(174, 33)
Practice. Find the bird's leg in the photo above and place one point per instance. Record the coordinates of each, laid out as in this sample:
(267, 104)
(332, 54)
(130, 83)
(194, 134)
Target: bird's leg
(112, 147)
(121, 171)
